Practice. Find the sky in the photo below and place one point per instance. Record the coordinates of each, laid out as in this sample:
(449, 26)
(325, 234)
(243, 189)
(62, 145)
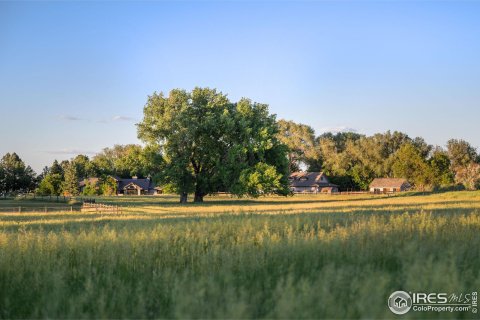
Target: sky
(75, 75)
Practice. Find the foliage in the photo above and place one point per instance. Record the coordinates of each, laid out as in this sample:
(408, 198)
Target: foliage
(56, 168)
(340, 139)
(50, 185)
(128, 160)
(85, 167)
(262, 179)
(108, 186)
(70, 183)
(461, 153)
(207, 141)
(410, 164)
(15, 175)
(2, 181)
(91, 188)
(469, 176)
(300, 140)
(358, 159)
(440, 166)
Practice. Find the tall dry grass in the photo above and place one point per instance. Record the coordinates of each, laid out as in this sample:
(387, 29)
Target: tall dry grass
(341, 259)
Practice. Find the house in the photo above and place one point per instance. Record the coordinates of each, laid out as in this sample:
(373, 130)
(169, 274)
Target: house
(311, 182)
(131, 186)
(400, 302)
(135, 186)
(389, 185)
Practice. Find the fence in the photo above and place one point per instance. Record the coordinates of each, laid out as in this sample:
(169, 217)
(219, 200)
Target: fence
(46, 209)
(50, 198)
(33, 196)
(86, 207)
(100, 208)
(341, 193)
(349, 192)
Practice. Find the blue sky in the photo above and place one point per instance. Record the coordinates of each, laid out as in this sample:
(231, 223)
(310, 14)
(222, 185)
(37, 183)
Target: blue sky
(74, 76)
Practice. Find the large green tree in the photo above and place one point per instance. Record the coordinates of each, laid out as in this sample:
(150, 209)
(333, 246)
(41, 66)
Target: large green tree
(51, 184)
(15, 175)
(85, 167)
(440, 165)
(56, 168)
(128, 160)
(211, 144)
(70, 183)
(300, 140)
(51, 180)
(461, 153)
(410, 164)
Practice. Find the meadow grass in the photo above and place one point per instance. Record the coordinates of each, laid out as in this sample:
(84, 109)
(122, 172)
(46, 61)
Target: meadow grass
(313, 256)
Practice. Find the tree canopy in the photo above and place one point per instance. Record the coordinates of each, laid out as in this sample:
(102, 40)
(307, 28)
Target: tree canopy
(15, 175)
(300, 140)
(126, 161)
(210, 144)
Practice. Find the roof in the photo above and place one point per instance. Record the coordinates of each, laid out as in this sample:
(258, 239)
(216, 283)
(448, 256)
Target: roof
(309, 179)
(145, 184)
(388, 182)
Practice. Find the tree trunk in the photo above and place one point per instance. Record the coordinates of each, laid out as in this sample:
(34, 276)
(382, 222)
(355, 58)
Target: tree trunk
(183, 197)
(198, 197)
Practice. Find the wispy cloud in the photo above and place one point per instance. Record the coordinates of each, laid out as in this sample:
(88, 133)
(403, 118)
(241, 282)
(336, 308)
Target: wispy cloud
(70, 118)
(70, 151)
(122, 118)
(117, 118)
(338, 129)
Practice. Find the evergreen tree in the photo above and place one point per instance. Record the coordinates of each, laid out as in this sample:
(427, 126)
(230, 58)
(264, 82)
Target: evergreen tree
(70, 184)
(15, 175)
(50, 185)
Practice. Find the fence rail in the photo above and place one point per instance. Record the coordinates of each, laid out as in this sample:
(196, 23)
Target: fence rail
(46, 209)
(33, 196)
(340, 193)
(99, 207)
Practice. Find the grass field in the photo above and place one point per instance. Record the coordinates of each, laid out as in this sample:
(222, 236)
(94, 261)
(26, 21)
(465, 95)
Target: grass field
(307, 256)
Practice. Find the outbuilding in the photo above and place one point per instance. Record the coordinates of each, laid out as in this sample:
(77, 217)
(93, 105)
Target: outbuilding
(389, 185)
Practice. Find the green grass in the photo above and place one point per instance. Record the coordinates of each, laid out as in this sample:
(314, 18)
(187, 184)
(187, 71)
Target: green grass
(296, 257)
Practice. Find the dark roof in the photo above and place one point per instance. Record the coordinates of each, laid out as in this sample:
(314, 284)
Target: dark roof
(309, 179)
(388, 183)
(145, 184)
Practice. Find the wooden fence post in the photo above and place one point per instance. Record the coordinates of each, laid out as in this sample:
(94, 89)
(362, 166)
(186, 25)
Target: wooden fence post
(19, 209)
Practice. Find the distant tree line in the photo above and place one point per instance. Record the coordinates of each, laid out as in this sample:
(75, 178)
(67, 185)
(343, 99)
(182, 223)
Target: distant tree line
(200, 142)
(62, 178)
(123, 161)
(353, 160)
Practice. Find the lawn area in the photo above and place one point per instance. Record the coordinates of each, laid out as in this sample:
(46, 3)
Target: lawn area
(306, 256)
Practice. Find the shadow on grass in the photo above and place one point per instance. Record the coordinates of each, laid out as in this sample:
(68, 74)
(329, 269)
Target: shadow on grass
(237, 202)
(86, 222)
